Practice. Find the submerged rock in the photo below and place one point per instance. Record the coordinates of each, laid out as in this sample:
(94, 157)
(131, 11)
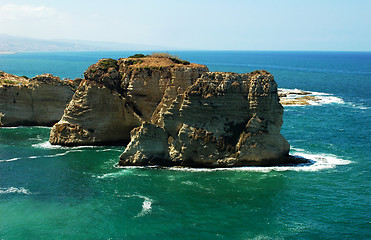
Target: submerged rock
(39, 101)
(222, 120)
(296, 97)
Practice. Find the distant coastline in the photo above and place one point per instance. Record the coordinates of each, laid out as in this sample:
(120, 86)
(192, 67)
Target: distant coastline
(7, 53)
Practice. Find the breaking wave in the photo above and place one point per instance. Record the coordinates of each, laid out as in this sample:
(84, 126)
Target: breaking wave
(317, 162)
(47, 145)
(15, 190)
(146, 205)
(320, 98)
(10, 160)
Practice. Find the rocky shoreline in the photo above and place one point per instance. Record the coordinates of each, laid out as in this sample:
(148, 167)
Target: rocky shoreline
(169, 111)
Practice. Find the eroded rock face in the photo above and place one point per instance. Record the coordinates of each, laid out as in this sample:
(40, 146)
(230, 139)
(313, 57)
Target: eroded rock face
(117, 96)
(37, 101)
(222, 120)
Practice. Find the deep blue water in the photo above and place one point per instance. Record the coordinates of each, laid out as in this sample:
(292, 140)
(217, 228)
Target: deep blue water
(67, 193)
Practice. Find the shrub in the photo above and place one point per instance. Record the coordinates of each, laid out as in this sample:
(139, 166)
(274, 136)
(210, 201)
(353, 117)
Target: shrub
(9, 81)
(138, 55)
(107, 63)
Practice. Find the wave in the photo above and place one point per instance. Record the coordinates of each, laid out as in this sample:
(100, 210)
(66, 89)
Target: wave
(10, 160)
(26, 127)
(42, 156)
(48, 145)
(146, 205)
(357, 106)
(114, 175)
(317, 162)
(314, 98)
(15, 190)
(308, 97)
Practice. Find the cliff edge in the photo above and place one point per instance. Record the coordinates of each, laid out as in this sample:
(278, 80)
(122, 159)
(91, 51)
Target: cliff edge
(118, 95)
(222, 120)
(37, 101)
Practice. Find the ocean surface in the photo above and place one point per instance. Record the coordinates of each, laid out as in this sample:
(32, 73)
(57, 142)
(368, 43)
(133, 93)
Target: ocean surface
(52, 192)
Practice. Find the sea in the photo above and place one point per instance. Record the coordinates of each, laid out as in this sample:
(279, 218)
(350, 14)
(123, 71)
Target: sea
(54, 192)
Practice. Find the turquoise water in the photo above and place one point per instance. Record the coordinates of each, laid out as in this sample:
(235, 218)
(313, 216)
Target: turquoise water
(51, 192)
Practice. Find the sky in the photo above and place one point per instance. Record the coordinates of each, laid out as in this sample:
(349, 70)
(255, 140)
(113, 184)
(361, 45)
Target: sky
(322, 25)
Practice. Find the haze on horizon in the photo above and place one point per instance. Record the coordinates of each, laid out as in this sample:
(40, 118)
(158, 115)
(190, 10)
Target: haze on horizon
(318, 25)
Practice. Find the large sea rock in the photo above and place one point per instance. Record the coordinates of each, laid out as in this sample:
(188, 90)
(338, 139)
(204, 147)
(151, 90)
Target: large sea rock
(39, 101)
(117, 96)
(222, 120)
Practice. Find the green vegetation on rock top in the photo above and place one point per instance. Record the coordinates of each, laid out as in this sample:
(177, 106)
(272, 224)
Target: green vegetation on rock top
(107, 63)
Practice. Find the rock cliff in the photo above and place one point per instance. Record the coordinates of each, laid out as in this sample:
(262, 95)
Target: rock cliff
(116, 96)
(37, 101)
(222, 120)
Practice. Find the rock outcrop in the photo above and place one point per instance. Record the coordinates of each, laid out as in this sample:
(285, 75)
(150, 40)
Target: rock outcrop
(116, 96)
(222, 120)
(37, 101)
(296, 97)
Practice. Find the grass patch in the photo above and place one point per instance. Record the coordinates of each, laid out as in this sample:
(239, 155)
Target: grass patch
(175, 58)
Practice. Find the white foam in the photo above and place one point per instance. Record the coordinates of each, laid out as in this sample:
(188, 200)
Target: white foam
(357, 106)
(297, 149)
(63, 154)
(41, 156)
(10, 160)
(321, 98)
(45, 145)
(326, 99)
(146, 205)
(14, 190)
(48, 145)
(25, 127)
(317, 162)
(114, 175)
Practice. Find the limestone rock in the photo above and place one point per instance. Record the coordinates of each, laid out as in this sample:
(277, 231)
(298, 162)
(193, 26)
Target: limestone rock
(95, 115)
(222, 120)
(37, 101)
(117, 96)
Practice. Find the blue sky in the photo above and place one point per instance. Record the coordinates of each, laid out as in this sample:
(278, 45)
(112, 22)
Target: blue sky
(336, 25)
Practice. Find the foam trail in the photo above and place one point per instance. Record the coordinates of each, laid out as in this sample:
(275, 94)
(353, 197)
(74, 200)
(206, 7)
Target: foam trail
(48, 145)
(10, 160)
(63, 154)
(47, 156)
(14, 190)
(146, 205)
(114, 175)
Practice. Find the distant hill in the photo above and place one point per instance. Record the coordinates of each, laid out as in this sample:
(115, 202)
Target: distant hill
(21, 44)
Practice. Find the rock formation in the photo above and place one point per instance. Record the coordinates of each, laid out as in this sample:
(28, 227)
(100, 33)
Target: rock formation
(37, 101)
(296, 97)
(116, 96)
(222, 120)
